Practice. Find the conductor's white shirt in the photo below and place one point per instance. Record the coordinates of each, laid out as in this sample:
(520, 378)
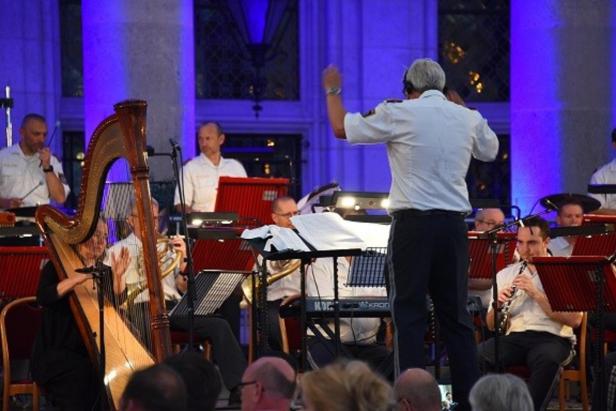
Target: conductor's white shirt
(430, 141)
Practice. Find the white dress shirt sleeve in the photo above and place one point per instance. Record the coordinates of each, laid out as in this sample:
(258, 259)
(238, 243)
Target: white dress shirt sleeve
(485, 146)
(370, 128)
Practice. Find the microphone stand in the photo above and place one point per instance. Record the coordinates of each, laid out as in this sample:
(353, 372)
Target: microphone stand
(176, 153)
(492, 236)
(99, 271)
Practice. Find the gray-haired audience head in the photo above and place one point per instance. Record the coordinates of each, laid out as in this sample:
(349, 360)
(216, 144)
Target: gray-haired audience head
(426, 74)
(500, 392)
(156, 388)
(417, 390)
(268, 383)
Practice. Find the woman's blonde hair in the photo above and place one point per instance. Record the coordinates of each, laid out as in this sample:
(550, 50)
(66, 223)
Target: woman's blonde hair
(345, 386)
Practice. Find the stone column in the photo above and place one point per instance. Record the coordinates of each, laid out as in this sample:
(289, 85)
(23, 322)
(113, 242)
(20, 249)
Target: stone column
(372, 43)
(562, 54)
(142, 49)
(29, 63)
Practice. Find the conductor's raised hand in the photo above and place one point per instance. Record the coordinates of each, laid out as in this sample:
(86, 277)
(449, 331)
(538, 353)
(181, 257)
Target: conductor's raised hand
(332, 79)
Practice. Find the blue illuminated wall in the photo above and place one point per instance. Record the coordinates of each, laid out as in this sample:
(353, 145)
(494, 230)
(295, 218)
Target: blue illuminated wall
(562, 57)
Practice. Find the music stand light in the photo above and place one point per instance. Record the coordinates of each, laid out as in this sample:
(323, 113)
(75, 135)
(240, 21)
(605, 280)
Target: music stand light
(360, 200)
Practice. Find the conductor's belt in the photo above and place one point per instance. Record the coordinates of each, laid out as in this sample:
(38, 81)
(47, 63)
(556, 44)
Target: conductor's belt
(412, 212)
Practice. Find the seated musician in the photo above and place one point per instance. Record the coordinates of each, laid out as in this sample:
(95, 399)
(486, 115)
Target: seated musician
(606, 174)
(283, 208)
(570, 214)
(358, 335)
(227, 352)
(60, 361)
(485, 220)
(536, 336)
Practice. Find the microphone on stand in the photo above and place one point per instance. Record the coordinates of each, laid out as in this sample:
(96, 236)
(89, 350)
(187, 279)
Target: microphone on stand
(553, 206)
(152, 152)
(174, 145)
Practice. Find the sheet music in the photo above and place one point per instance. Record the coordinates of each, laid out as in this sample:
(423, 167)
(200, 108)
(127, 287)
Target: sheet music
(374, 235)
(327, 231)
(281, 238)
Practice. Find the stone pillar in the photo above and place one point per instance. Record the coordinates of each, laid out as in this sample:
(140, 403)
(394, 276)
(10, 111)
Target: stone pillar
(561, 95)
(29, 63)
(372, 43)
(142, 49)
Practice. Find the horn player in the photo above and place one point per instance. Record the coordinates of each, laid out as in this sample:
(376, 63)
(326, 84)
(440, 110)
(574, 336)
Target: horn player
(226, 350)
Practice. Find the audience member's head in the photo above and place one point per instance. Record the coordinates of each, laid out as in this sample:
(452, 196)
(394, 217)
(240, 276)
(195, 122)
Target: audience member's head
(488, 218)
(417, 390)
(500, 392)
(346, 386)
(268, 383)
(156, 388)
(200, 377)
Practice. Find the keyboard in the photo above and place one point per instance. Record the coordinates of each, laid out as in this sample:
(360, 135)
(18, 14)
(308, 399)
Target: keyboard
(349, 307)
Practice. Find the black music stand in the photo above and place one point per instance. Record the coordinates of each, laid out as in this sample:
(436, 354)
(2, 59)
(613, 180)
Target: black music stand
(581, 283)
(368, 268)
(306, 257)
(212, 288)
(490, 252)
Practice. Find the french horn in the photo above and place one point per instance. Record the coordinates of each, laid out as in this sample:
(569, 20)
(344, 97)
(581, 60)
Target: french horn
(169, 259)
(286, 269)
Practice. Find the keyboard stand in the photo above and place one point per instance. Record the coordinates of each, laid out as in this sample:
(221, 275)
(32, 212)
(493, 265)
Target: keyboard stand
(306, 257)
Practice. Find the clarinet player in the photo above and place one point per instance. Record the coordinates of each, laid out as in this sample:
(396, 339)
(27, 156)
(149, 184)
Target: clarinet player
(535, 336)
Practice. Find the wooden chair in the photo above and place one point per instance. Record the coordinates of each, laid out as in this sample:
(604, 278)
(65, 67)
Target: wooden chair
(577, 374)
(19, 324)
(179, 338)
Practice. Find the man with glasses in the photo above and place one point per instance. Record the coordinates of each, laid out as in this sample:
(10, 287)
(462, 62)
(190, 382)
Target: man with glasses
(268, 384)
(283, 208)
(485, 219)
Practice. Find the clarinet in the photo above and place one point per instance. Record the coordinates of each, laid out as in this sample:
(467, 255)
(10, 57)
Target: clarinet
(505, 309)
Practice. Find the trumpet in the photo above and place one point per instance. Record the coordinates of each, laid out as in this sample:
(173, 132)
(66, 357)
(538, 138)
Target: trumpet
(287, 268)
(169, 258)
(505, 310)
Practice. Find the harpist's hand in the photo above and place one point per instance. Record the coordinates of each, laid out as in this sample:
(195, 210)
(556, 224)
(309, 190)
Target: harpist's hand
(120, 263)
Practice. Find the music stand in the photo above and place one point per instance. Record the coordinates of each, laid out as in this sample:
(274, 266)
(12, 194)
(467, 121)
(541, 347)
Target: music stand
(367, 269)
(306, 257)
(581, 283)
(490, 252)
(482, 251)
(212, 288)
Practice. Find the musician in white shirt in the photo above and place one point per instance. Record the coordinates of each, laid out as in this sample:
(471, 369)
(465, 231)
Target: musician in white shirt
(201, 174)
(606, 175)
(226, 350)
(358, 335)
(537, 337)
(570, 214)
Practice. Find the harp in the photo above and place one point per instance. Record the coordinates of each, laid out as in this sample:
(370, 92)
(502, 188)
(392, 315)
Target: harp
(121, 135)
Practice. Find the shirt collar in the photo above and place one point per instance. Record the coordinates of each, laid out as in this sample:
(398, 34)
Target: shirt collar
(432, 93)
(209, 162)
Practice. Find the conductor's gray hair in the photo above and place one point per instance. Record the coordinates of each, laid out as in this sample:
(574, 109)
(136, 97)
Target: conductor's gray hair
(500, 392)
(426, 74)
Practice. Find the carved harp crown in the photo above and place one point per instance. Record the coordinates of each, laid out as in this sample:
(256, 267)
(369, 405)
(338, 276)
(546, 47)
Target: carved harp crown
(120, 135)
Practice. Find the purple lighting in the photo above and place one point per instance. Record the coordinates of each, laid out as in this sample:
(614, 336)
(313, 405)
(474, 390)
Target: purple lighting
(536, 107)
(255, 13)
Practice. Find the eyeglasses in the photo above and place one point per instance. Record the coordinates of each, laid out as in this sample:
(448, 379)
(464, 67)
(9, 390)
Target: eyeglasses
(490, 223)
(241, 385)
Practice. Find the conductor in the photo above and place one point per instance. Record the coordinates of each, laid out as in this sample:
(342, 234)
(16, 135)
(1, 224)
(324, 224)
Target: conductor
(430, 141)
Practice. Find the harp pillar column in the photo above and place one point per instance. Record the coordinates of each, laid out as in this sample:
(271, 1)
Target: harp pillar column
(142, 49)
(562, 95)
